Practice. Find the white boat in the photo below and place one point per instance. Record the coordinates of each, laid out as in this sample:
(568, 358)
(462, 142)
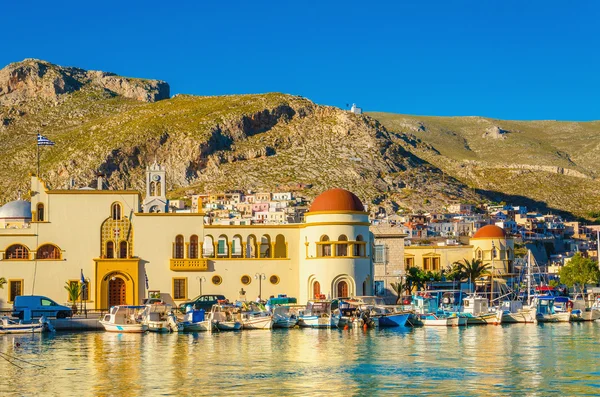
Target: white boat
(319, 314)
(8, 326)
(257, 320)
(514, 312)
(159, 317)
(432, 320)
(195, 321)
(545, 312)
(475, 309)
(285, 316)
(125, 318)
(225, 317)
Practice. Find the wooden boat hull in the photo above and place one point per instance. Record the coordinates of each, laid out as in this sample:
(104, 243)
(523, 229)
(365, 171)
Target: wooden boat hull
(285, 323)
(229, 325)
(263, 322)
(554, 318)
(587, 315)
(202, 326)
(439, 322)
(522, 316)
(124, 328)
(393, 320)
(22, 328)
(485, 319)
(317, 322)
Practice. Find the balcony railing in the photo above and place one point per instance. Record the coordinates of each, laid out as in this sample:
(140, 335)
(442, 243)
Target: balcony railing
(189, 265)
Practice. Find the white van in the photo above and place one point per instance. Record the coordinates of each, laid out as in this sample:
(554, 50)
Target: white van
(39, 306)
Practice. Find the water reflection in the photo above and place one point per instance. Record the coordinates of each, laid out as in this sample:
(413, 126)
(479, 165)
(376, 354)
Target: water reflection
(548, 359)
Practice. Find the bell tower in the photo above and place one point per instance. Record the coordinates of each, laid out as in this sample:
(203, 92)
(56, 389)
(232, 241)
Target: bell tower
(156, 189)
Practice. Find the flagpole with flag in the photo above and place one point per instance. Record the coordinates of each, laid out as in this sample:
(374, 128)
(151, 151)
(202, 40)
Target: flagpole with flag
(147, 284)
(41, 141)
(82, 281)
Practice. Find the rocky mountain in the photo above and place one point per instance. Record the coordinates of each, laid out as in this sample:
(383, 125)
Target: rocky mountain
(116, 125)
(269, 141)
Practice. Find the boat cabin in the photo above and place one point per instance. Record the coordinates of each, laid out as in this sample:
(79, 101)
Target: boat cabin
(475, 305)
(545, 305)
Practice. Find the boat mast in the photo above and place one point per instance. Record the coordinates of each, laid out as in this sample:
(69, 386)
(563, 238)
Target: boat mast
(492, 281)
(528, 277)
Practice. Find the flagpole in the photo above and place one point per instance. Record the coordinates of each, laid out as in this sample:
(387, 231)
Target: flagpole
(37, 145)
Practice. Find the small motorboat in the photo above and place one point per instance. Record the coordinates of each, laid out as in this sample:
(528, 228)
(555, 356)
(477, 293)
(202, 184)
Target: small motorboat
(159, 317)
(430, 319)
(319, 314)
(545, 312)
(285, 316)
(8, 326)
(225, 317)
(257, 320)
(195, 321)
(513, 311)
(125, 318)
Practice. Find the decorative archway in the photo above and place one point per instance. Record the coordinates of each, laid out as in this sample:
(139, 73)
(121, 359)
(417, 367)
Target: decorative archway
(343, 286)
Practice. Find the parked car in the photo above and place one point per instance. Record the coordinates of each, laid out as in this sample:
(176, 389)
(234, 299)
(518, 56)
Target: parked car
(205, 302)
(39, 306)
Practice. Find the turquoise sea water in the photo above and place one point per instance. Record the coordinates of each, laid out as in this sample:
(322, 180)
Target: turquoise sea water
(550, 359)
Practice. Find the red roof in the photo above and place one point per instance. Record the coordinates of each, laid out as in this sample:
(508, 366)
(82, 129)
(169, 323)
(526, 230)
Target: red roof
(337, 200)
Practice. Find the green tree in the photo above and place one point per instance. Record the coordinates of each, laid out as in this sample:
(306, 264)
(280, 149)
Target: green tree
(2, 282)
(415, 278)
(399, 289)
(579, 272)
(74, 290)
(473, 269)
(454, 272)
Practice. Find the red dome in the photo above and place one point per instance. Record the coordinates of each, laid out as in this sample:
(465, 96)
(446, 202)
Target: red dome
(490, 231)
(337, 200)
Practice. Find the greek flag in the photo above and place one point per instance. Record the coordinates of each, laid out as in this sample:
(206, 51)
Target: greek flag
(82, 280)
(43, 141)
(147, 284)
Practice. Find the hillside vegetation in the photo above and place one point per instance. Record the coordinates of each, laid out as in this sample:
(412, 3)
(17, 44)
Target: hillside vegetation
(549, 165)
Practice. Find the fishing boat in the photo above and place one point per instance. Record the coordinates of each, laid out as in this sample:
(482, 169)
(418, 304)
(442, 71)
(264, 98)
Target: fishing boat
(257, 320)
(159, 317)
(353, 315)
(284, 310)
(125, 318)
(545, 312)
(425, 313)
(579, 312)
(475, 309)
(513, 311)
(319, 314)
(384, 315)
(8, 326)
(285, 316)
(225, 317)
(195, 321)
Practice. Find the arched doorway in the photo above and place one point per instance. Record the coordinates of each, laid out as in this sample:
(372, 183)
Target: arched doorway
(117, 292)
(316, 290)
(342, 289)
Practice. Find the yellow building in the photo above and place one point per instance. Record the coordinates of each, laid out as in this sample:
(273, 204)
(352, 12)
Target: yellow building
(127, 247)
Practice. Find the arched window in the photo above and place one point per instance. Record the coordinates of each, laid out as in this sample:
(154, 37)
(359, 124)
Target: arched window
(178, 247)
(265, 246)
(40, 212)
(208, 248)
(342, 246)
(110, 249)
(116, 212)
(251, 246)
(359, 246)
(236, 246)
(193, 254)
(479, 254)
(152, 189)
(316, 290)
(280, 249)
(324, 248)
(342, 289)
(17, 251)
(48, 251)
(222, 246)
(158, 189)
(123, 249)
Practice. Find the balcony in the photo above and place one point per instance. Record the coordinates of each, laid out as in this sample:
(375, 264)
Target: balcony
(189, 265)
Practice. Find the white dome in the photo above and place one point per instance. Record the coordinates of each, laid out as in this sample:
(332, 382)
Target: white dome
(16, 209)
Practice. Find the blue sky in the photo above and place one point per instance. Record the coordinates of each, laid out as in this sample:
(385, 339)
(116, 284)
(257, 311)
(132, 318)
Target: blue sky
(504, 59)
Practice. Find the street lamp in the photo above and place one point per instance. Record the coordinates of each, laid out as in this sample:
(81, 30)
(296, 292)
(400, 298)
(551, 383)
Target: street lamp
(200, 280)
(260, 277)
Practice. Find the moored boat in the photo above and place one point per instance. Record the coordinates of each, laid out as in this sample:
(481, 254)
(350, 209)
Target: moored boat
(475, 309)
(225, 317)
(285, 316)
(545, 312)
(514, 312)
(159, 317)
(8, 326)
(195, 321)
(319, 314)
(125, 318)
(432, 320)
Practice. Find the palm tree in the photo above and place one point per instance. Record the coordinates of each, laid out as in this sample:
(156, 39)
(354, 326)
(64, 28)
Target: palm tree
(473, 269)
(2, 282)
(74, 290)
(415, 277)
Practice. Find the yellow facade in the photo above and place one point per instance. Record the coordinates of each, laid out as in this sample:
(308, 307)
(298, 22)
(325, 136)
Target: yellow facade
(104, 235)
